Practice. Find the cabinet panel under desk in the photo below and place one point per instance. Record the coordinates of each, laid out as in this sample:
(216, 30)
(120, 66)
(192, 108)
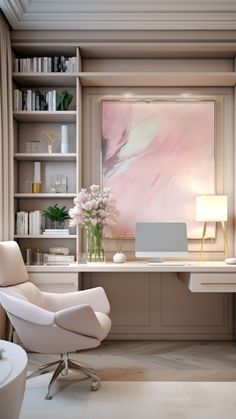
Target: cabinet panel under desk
(58, 282)
(209, 282)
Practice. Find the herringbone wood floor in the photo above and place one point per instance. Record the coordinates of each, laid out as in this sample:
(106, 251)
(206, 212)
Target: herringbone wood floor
(156, 360)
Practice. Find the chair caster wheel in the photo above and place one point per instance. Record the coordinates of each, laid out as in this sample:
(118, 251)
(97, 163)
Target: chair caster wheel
(47, 397)
(95, 385)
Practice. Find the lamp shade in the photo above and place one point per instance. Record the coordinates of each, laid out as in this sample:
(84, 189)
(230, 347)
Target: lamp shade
(211, 208)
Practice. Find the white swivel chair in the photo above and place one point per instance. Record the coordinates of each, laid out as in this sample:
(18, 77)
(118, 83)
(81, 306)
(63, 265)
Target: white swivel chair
(52, 323)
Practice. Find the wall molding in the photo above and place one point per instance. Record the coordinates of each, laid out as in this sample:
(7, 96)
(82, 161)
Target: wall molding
(130, 15)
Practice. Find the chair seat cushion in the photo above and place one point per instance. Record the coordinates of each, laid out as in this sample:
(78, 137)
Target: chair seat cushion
(84, 320)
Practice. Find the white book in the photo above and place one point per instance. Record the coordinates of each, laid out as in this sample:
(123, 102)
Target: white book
(29, 100)
(20, 104)
(48, 257)
(39, 67)
(24, 65)
(20, 223)
(49, 64)
(50, 100)
(31, 223)
(58, 230)
(54, 100)
(35, 64)
(45, 64)
(37, 222)
(31, 65)
(28, 65)
(33, 101)
(26, 218)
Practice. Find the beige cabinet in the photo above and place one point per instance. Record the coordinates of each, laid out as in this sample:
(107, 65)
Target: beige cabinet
(58, 282)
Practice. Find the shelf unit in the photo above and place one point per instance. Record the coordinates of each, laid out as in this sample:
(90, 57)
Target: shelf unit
(45, 156)
(29, 126)
(107, 65)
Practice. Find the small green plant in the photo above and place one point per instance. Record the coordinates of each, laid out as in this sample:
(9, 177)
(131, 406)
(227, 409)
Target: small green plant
(64, 99)
(56, 214)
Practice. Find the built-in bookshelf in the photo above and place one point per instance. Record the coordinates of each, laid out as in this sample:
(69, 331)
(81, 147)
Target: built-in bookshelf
(45, 115)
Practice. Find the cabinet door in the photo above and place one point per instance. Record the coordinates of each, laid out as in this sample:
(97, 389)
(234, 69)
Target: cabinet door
(55, 282)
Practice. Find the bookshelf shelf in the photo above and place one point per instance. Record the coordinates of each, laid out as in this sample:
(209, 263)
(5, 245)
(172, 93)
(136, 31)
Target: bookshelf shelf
(150, 78)
(45, 116)
(45, 79)
(45, 156)
(45, 236)
(45, 195)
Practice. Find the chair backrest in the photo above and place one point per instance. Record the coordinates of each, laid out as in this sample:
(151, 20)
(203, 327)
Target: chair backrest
(12, 267)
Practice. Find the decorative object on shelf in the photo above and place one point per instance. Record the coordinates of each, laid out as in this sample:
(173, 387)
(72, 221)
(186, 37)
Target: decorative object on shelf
(37, 257)
(59, 250)
(119, 256)
(64, 139)
(33, 146)
(212, 208)
(36, 185)
(50, 137)
(94, 209)
(64, 99)
(57, 216)
(28, 256)
(59, 184)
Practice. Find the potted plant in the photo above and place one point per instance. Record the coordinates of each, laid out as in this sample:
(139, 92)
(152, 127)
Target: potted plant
(57, 216)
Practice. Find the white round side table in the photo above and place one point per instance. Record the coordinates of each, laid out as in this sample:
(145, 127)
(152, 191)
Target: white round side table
(12, 379)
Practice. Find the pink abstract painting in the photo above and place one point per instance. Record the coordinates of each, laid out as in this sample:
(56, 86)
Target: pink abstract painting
(157, 157)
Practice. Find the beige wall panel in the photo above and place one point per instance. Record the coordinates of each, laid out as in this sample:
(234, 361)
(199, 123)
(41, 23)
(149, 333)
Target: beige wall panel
(181, 308)
(170, 65)
(129, 296)
(170, 311)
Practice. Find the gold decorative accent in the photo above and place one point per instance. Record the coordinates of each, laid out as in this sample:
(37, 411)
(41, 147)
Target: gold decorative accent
(226, 247)
(36, 187)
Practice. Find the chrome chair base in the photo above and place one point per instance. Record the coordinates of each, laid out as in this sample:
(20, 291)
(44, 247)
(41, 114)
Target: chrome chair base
(63, 366)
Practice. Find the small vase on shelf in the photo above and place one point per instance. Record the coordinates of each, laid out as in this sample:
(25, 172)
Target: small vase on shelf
(64, 139)
(119, 257)
(95, 249)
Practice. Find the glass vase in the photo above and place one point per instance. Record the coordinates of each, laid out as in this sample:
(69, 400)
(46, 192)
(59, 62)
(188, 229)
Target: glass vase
(95, 249)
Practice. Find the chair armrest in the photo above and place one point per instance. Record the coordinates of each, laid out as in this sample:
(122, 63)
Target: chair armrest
(94, 297)
(26, 311)
(80, 319)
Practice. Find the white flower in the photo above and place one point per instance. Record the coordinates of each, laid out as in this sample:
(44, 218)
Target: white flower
(95, 207)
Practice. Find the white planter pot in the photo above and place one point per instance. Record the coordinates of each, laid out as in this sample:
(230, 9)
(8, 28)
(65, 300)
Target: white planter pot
(119, 257)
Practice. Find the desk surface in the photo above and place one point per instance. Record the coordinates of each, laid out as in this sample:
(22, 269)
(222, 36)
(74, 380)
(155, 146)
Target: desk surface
(136, 266)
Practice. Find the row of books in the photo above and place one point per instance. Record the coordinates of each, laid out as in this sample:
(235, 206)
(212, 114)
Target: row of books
(30, 100)
(28, 223)
(46, 65)
(32, 223)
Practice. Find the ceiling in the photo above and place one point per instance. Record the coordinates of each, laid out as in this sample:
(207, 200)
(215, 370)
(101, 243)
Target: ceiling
(120, 15)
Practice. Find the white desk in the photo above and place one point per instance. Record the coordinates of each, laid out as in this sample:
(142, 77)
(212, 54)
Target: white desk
(210, 276)
(162, 306)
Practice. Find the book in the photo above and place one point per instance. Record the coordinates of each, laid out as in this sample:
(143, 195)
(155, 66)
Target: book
(49, 257)
(56, 231)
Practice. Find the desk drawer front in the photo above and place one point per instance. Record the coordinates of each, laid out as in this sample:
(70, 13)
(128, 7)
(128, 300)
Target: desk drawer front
(55, 281)
(212, 282)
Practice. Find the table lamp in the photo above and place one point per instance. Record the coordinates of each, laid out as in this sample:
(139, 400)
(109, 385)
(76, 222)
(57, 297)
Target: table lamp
(212, 208)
